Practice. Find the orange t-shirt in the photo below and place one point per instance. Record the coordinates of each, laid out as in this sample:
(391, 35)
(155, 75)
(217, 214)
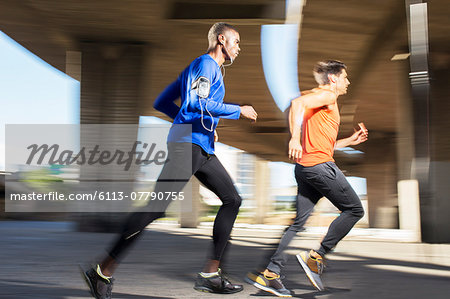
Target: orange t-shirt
(319, 132)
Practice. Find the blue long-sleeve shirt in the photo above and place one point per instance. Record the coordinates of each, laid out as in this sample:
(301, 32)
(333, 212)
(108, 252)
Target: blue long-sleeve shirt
(193, 108)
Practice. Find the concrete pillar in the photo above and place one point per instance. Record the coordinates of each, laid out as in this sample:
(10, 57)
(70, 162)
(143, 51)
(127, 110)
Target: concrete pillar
(407, 187)
(111, 93)
(438, 209)
(190, 209)
(404, 123)
(111, 86)
(409, 208)
(262, 190)
(380, 171)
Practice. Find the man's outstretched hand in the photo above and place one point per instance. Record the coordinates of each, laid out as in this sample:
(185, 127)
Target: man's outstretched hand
(359, 136)
(249, 112)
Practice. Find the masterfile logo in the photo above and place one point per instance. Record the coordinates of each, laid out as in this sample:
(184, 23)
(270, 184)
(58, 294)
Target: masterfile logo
(53, 155)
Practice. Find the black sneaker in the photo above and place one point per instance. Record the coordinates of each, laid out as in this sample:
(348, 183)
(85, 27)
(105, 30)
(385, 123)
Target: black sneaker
(272, 285)
(100, 287)
(216, 284)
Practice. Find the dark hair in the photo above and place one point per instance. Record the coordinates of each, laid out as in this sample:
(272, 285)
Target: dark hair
(216, 30)
(323, 68)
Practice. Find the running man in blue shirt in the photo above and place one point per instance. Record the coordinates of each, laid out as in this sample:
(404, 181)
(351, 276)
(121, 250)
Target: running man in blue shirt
(201, 89)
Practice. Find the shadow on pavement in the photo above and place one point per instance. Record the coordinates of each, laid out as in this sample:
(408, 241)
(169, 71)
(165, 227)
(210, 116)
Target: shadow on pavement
(44, 264)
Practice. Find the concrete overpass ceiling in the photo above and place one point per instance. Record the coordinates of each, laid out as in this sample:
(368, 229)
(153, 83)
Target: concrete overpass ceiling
(110, 21)
(141, 20)
(33, 31)
(227, 10)
(358, 33)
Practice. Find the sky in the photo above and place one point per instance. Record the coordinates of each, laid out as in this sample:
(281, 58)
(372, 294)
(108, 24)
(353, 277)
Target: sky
(32, 91)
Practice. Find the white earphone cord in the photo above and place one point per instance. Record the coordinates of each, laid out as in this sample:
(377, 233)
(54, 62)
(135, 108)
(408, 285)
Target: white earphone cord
(222, 67)
(206, 108)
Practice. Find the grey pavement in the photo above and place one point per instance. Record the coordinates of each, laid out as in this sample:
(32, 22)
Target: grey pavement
(40, 260)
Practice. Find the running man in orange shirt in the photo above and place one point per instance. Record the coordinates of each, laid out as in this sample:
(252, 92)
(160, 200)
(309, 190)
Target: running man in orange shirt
(314, 124)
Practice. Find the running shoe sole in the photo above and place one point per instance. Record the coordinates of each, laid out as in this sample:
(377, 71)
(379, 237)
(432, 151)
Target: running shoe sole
(208, 290)
(267, 289)
(87, 280)
(203, 289)
(314, 278)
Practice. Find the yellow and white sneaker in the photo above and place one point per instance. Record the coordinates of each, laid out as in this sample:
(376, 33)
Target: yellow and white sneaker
(313, 268)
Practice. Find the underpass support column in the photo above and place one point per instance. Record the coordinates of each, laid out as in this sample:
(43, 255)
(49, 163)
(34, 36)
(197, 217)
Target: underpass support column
(262, 190)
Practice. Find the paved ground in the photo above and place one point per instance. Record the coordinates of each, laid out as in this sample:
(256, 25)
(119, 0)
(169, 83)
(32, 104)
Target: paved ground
(39, 260)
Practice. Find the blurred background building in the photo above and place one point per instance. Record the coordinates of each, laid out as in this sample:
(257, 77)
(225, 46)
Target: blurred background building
(123, 53)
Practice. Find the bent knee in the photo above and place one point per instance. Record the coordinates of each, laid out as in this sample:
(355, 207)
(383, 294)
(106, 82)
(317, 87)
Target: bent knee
(231, 202)
(237, 202)
(358, 212)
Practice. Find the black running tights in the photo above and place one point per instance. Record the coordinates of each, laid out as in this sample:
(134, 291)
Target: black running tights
(174, 176)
